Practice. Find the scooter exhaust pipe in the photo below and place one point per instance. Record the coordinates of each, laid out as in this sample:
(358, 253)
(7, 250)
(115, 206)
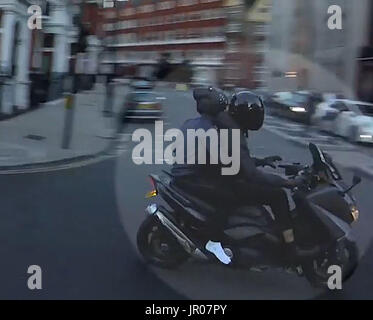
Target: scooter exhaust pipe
(183, 239)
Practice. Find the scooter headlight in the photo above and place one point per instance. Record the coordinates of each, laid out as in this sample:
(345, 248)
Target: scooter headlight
(298, 109)
(355, 212)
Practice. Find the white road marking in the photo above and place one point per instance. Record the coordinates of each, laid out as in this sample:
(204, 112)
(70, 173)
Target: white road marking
(68, 166)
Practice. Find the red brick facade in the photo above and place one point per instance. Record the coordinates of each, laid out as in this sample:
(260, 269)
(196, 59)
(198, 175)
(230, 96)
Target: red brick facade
(195, 30)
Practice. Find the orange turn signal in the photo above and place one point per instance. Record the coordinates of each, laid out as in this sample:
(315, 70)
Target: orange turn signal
(151, 194)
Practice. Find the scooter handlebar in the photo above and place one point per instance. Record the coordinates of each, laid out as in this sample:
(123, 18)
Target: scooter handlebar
(292, 169)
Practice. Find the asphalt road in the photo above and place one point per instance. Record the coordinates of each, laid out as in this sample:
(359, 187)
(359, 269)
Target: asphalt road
(67, 222)
(79, 225)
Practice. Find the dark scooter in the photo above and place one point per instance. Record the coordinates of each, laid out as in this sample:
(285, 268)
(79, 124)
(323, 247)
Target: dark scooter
(323, 218)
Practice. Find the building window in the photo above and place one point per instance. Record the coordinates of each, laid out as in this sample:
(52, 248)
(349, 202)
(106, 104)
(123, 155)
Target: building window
(108, 27)
(180, 34)
(194, 33)
(127, 24)
(110, 15)
(165, 5)
(187, 2)
(158, 20)
(146, 8)
(108, 4)
(1, 32)
(127, 12)
(47, 9)
(48, 40)
(195, 16)
(179, 18)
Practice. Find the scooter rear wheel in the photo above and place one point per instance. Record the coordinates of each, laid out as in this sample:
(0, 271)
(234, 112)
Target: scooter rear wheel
(158, 247)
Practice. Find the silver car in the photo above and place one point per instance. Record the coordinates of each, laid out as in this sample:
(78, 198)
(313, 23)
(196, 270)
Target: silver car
(143, 105)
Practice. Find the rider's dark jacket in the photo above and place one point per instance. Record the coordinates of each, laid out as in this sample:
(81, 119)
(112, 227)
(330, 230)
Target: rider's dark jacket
(248, 164)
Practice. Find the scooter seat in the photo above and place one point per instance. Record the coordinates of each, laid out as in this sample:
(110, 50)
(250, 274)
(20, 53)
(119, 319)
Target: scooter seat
(250, 211)
(204, 208)
(250, 215)
(242, 220)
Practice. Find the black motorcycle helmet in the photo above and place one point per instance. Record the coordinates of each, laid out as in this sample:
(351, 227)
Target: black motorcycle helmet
(247, 109)
(210, 100)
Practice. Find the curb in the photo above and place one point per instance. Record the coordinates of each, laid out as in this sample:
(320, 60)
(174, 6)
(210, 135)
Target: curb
(62, 162)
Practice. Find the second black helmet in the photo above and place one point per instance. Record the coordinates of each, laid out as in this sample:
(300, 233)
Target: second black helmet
(247, 109)
(210, 100)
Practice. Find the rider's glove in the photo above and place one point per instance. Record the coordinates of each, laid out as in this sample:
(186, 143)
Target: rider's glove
(269, 161)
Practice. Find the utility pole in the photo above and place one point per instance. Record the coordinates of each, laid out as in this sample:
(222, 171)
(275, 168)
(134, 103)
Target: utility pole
(110, 87)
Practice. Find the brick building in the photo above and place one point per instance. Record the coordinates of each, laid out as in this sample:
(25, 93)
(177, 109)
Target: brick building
(139, 32)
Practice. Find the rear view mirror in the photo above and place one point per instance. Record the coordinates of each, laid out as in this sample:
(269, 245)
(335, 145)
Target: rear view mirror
(356, 180)
(292, 169)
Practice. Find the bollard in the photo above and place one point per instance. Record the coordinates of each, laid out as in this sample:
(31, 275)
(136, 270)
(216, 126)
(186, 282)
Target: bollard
(109, 99)
(69, 120)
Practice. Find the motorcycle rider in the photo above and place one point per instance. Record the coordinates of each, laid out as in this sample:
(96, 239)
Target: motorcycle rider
(251, 186)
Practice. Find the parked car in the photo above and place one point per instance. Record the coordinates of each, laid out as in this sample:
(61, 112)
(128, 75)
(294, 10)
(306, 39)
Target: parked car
(352, 120)
(297, 106)
(143, 105)
(263, 94)
(141, 85)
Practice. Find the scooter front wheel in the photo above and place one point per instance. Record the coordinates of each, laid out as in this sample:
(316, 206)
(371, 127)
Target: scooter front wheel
(157, 246)
(344, 254)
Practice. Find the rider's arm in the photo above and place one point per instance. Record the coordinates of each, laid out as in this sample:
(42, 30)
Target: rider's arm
(248, 165)
(253, 174)
(258, 162)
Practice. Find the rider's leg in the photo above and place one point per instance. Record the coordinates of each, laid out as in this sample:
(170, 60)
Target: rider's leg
(277, 199)
(203, 189)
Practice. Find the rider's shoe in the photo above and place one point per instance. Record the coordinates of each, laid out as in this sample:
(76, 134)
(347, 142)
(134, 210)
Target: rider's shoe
(217, 250)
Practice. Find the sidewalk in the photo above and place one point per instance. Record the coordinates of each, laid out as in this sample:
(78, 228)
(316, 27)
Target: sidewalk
(36, 137)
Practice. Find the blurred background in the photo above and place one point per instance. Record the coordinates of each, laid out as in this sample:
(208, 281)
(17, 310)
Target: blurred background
(253, 44)
(264, 45)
